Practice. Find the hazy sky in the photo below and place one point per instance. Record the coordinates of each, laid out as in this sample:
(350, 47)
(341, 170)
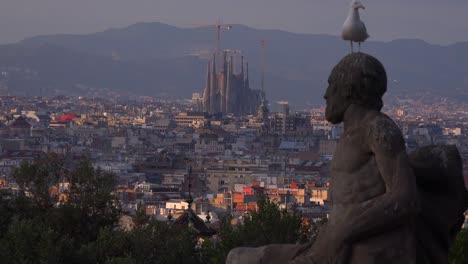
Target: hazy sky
(436, 21)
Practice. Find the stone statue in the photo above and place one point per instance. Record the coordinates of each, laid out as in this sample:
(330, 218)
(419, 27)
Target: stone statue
(443, 196)
(377, 190)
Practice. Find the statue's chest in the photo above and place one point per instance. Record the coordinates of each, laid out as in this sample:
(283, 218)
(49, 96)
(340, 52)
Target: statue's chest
(351, 153)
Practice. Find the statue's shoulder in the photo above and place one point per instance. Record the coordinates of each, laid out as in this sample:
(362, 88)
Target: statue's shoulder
(382, 130)
(377, 121)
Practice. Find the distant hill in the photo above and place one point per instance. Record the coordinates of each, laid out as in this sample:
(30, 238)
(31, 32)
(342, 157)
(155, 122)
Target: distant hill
(161, 60)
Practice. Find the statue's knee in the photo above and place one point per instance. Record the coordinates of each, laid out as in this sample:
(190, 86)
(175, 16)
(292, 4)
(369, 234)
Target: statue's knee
(244, 255)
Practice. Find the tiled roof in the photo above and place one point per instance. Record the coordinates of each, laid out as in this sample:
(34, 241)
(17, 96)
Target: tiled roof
(20, 122)
(198, 225)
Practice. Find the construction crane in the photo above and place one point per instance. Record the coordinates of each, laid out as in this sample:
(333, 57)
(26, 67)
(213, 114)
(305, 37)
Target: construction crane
(233, 51)
(262, 43)
(218, 27)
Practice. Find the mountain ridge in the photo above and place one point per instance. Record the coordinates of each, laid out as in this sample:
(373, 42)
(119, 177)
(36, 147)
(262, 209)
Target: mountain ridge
(172, 60)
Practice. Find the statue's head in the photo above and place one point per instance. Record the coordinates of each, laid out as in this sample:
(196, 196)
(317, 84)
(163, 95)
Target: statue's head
(357, 79)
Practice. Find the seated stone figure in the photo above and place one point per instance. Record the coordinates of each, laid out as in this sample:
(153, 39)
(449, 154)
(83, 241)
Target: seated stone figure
(387, 207)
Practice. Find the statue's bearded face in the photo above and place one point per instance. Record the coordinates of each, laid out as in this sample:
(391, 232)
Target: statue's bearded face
(336, 102)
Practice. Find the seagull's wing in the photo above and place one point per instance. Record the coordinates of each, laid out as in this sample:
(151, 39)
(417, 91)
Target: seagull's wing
(365, 35)
(365, 29)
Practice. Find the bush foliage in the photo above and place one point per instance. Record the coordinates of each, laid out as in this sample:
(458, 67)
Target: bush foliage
(36, 227)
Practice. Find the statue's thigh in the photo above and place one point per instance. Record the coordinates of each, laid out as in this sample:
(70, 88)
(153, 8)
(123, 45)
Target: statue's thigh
(271, 254)
(397, 246)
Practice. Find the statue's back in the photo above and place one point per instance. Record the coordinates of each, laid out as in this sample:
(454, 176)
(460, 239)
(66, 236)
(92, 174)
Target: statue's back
(443, 197)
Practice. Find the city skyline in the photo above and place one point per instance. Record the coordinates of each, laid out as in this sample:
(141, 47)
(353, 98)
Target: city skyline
(433, 21)
(232, 132)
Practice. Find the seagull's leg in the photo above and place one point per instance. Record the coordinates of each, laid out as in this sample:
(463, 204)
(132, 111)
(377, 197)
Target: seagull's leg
(359, 50)
(352, 50)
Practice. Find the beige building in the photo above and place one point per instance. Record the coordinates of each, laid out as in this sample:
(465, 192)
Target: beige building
(318, 195)
(209, 144)
(191, 119)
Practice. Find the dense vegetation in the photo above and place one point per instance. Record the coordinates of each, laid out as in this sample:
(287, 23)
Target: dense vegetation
(82, 227)
(268, 225)
(459, 250)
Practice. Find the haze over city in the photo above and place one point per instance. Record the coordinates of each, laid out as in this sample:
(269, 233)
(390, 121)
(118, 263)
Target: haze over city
(233, 132)
(438, 22)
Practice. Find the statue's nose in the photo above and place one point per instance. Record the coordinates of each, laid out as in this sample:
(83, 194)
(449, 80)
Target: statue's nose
(325, 96)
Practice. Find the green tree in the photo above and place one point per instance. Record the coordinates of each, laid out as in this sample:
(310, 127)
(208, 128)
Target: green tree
(35, 229)
(109, 245)
(33, 241)
(267, 225)
(156, 242)
(91, 203)
(159, 242)
(7, 211)
(459, 250)
(270, 225)
(36, 178)
(140, 219)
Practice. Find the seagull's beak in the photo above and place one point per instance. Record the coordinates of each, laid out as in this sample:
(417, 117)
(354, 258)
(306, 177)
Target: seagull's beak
(361, 6)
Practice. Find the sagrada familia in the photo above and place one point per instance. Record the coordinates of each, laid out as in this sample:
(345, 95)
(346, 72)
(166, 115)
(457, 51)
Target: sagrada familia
(227, 92)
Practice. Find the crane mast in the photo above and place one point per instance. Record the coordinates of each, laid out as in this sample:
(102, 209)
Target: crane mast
(219, 26)
(262, 43)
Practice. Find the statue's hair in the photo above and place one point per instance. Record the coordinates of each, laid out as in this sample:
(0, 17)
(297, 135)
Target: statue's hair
(361, 78)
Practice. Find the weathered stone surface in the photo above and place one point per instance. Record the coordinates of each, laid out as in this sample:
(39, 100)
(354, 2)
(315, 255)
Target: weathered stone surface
(444, 198)
(383, 200)
(271, 254)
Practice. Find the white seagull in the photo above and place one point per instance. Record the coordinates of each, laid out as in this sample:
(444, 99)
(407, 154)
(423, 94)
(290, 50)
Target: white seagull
(354, 29)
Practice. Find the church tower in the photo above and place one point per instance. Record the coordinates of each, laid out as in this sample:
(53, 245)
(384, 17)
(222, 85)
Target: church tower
(213, 88)
(207, 91)
(227, 91)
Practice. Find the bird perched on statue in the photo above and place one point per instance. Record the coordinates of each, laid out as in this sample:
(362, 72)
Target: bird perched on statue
(354, 29)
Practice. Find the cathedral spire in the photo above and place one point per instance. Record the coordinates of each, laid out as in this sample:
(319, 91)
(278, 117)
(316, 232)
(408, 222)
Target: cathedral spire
(231, 64)
(207, 91)
(242, 65)
(213, 87)
(224, 60)
(223, 84)
(227, 106)
(247, 76)
(214, 64)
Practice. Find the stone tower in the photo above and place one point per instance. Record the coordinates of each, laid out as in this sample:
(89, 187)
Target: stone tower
(227, 92)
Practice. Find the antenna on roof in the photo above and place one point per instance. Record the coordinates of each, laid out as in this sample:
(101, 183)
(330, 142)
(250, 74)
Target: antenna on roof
(189, 198)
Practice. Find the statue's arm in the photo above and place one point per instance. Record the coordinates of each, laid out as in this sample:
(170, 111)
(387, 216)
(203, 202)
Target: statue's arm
(399, 203)
(379, 214)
